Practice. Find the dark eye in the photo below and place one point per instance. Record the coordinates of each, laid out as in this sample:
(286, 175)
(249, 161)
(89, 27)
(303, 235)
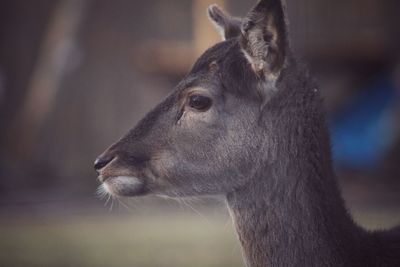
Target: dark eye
(199, 102)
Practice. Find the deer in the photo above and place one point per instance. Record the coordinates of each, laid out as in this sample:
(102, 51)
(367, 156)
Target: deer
(248, 123)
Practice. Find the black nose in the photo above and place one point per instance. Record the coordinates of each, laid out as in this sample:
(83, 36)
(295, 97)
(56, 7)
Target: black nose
(101, 162)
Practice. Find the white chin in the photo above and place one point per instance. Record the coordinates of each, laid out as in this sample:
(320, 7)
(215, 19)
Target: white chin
(123, 186)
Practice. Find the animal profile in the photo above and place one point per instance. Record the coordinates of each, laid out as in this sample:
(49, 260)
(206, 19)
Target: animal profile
(247, 122)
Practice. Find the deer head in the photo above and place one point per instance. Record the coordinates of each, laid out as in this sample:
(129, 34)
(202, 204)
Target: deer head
(202, 138)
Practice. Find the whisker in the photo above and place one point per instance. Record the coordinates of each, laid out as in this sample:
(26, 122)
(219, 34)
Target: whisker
(187, 203)
(107, 200)
(120, 201)
(112, 203)
(101, 192)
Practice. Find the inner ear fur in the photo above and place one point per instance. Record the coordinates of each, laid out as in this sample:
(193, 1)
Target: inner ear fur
(264, 38)
(227, 25)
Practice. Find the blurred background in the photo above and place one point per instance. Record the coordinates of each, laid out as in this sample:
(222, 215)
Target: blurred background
(75, 75)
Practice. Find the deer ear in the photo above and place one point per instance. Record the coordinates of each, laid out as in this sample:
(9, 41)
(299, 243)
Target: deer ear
(264, 38)
(227, 26)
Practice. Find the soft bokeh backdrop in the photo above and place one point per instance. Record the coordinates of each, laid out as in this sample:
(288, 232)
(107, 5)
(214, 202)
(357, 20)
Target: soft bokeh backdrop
(75, 75)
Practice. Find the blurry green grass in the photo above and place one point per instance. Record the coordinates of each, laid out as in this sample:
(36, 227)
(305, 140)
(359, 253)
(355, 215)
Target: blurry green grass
(172, 240)
(181, 240)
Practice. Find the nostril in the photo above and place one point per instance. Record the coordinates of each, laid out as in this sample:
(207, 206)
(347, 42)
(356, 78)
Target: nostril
(100, 163)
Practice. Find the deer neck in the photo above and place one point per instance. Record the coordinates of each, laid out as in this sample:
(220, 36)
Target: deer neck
(291, 213)
(289, 227)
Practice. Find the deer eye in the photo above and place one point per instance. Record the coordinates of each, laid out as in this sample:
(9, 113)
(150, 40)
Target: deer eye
(199, 102)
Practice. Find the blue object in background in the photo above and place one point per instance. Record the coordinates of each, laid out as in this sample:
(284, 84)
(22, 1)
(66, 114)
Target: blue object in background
(362, 133)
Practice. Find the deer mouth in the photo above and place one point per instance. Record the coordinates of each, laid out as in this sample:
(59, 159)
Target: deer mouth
(124, 186)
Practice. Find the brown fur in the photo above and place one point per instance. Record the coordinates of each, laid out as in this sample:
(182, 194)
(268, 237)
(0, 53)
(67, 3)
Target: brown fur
(263, 144)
